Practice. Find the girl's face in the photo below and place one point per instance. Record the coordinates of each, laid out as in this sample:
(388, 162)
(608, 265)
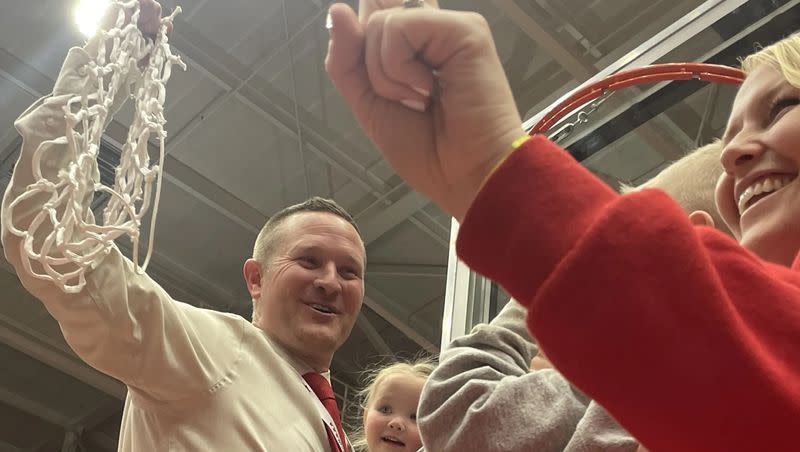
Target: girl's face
(390, 422)
(759, 194)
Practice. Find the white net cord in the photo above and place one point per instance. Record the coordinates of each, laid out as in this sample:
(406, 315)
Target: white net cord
(62, 241)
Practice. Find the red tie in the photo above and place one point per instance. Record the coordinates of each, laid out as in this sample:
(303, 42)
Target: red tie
(322, 388)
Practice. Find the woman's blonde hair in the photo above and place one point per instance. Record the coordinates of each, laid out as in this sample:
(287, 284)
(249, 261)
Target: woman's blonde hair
(783, 55)
(421, 367)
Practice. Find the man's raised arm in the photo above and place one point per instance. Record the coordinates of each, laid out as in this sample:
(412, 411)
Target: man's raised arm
(121, 322)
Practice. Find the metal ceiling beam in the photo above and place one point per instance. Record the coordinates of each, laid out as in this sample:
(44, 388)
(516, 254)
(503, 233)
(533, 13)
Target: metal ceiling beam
(372, 334)
(86, 424)
(44, 412)
(213, 62)
(435, 300)
(16, 337)
(33, 408)
(545, 38)
(4, 265)
(392, 313)
(579, 67)
(407, 270)
(739, 24)
(71, 442)
(8, 154)
(19, 340)
(44, 445)
(196, 7)
(193, 288)
(190, 181)
(419, 217)
(660, 44)
(8, 447)
(94, 416)
(27, 79)
(277, 108)
(102, 440)
(440, 234)
(373, 227)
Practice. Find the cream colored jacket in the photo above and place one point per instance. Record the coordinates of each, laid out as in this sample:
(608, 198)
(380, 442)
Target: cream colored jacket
(198, 380)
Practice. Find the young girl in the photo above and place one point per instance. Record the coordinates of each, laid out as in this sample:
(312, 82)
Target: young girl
(390, 400)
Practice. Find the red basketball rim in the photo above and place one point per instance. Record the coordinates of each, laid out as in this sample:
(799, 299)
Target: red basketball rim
(714, 73)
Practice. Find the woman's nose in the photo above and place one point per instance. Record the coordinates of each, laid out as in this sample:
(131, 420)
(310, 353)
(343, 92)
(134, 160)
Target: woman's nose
(739, 152)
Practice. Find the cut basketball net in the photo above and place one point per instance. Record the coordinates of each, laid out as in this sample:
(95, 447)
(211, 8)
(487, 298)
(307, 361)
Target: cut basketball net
(591, 96)
(63, 238)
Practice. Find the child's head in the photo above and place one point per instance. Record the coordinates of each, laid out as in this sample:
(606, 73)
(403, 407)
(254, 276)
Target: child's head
(390, 401)
(691, 182)
(759, 196)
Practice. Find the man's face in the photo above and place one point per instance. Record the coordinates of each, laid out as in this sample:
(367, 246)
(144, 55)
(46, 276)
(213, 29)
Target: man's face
(312, 286)
(759, 195)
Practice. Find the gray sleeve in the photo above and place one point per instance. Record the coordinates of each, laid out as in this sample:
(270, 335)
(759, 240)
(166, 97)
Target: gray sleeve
(597, 430)
(483, 397)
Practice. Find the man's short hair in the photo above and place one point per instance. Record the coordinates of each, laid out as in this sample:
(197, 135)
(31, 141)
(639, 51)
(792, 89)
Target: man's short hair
(692, 181)
(267, 238)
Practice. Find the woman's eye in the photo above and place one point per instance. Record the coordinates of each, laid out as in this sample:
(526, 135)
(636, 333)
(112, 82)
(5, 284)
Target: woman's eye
(385, 409)
(782, 105)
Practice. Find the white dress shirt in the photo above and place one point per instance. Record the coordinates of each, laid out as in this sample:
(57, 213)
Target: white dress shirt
(198, 380)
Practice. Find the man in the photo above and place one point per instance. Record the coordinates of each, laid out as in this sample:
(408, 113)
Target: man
(199, 379)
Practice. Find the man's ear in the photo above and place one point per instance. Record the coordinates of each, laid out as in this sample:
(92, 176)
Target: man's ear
(252, 277)
(701, 218)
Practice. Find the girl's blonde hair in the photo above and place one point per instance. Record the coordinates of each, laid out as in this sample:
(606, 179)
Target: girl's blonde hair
(783, 55)
(420, 367)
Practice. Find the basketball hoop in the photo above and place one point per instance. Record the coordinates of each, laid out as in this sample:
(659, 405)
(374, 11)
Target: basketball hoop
(596, 93)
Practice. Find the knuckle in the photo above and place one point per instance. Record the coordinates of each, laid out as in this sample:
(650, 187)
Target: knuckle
(477, 21)
(376, 21)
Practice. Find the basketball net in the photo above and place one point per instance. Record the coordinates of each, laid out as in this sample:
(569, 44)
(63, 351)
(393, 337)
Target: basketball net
(63, 240)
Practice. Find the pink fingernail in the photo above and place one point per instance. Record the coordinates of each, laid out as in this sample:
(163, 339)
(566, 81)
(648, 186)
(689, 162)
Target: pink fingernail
(416, 105)
(424, 92)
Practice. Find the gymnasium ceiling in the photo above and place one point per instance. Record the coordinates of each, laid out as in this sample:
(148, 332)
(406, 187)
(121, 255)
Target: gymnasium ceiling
(255, 125)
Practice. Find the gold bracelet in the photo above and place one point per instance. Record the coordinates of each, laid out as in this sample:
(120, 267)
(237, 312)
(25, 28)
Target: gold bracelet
(514, 146)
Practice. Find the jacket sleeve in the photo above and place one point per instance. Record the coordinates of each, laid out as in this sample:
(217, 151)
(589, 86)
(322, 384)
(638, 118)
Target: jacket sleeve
(597, 430)
(122, 323)
(685, 337)
(483, 396)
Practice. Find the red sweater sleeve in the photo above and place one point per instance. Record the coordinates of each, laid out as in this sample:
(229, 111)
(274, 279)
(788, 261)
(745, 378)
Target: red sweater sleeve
(689, 340)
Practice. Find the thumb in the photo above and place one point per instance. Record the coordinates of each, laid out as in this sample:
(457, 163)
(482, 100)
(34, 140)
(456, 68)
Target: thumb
(345, 60)
(701, 218)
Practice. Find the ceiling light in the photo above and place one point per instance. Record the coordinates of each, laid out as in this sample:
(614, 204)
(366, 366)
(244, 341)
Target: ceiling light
(88, 14)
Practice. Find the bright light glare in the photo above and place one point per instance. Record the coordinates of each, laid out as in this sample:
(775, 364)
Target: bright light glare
(88, 14)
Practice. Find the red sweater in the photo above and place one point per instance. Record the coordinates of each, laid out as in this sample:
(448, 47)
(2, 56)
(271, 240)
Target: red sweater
(689, 340)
